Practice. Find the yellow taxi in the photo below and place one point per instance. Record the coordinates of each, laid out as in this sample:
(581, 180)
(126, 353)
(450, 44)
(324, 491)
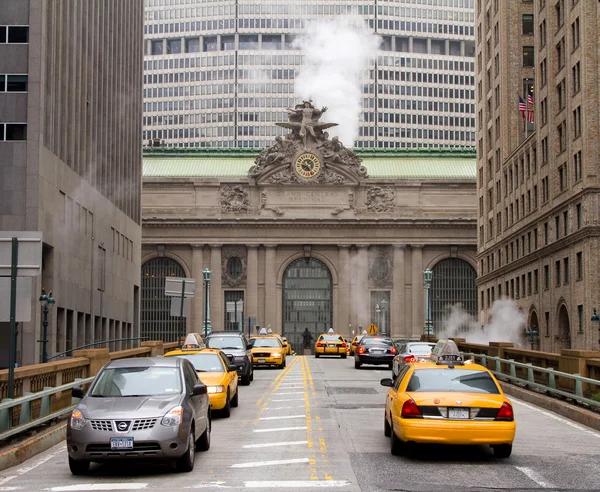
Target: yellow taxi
(330, 344)
(214, 370)
(447, 400)
(287, 345)
(267, 350)
(355, 341)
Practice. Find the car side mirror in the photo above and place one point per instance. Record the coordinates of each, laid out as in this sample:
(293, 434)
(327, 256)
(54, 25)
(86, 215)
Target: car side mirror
(249, 346)
(285, 345)
(77, 392)
(387, 382)
(199, 389)
(231, 368)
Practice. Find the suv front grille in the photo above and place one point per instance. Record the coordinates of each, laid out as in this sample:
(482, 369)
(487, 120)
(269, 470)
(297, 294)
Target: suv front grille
(101, 425)
(107, 425)
(137, 446)
(143, 424)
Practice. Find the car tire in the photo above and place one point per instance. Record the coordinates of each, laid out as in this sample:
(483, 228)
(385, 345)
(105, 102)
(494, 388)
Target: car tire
(397, 446)
(390, 366)
(344, 356)
(503, 451)
(203, 443)
(387, 430)
(79, 467)
(245, 380)
(252, 375)
(226, 411)
(316, 356)
(234, 400)
(284, 363)
(357, 365)
(186, 462)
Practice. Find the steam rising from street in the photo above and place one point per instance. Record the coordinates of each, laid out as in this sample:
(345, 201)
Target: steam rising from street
(338, 54)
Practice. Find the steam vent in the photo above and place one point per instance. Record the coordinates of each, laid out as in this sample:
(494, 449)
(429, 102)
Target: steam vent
(309, 233)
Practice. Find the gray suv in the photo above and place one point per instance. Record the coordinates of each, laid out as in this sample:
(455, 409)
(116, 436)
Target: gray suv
(236, 347)
(142, 408)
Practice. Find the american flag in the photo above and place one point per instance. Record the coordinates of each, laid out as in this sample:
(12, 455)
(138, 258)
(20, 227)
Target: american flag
(522, 106)
(530, 99)
(530, 115)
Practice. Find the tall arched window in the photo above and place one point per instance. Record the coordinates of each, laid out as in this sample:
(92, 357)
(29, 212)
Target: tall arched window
(156, 320)
(453, 283)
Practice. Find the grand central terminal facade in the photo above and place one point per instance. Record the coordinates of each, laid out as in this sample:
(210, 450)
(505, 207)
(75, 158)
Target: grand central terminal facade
(309, 234)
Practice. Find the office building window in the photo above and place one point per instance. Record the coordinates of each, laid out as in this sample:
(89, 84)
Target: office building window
(557, 226)
(566, 270)
(13, 132)
(157, 46)
(14, 34)
(527, 24)
(535, 281)
(546, 277)
(575, 36)
(580, 266)
(577, 122)
(565, 223)
(579, 216)
(13, 83)
(547, 322)
(528, 60)
(577, 166)
(580, 317)
(576, 72)
(560, 54)
(173, 46)
(192, 45)
(557, 275)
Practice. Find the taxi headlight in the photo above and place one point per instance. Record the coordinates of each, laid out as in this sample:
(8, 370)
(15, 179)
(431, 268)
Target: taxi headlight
(216, 389)
(173, 417)
(78, 421)
(276, 354)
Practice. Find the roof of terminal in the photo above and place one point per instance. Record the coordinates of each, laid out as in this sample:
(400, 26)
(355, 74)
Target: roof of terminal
(380, 163)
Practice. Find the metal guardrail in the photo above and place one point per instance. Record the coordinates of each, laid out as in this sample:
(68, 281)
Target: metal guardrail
(25, 421)
(530, 382)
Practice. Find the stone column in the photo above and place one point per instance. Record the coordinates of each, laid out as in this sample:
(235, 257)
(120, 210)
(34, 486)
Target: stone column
(252, 282)
(398, 328)
(196, 323)
(271, 287)
(363, 295)
(418, 305)
(343, 305)
(215, 294)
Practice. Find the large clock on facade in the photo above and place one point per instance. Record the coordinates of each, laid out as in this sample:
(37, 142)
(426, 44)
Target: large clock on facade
(308, 165)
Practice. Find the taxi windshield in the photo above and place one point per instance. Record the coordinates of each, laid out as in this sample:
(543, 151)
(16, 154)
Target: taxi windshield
(137, 381)
(452, 380)
(225, 343)
(376, 341)
(420, 349)
(205, 362)
(265, 342)
(331, 338)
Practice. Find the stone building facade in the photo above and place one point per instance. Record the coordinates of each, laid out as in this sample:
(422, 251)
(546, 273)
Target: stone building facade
(538, 182)
(309, 250)
(70, 165)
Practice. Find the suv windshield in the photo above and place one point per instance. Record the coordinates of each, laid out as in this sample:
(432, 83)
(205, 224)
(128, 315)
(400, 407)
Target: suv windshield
(205, 362)
(265, 342)
(225, 343)
(137, 381)
(452, 380)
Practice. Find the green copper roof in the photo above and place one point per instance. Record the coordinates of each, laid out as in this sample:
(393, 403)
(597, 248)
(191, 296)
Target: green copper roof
(380, 163)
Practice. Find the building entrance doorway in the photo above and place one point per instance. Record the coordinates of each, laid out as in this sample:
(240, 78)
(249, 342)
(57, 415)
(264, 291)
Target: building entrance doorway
(307, 300)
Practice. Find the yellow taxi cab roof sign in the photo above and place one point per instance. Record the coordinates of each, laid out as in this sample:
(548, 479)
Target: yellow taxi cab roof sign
(446, 352)
(193, 341)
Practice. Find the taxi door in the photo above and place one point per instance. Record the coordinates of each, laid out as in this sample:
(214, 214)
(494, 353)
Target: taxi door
(231, 376)
(392, 395)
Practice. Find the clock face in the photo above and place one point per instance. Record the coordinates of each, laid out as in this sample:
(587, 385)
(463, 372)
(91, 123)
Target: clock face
(308, 165)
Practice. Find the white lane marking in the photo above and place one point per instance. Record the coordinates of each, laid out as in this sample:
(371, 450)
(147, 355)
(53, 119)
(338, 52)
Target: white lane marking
(290, 393)
(280, 429)
(10, 488)
(283, 408)
(378, 372)
(274, 444)
(535, 476)
(556, 417)
(7, 479)
(270, 463)
(41, 461)
(99, 486)
(291, 399)
(281, 417)
(297, 484)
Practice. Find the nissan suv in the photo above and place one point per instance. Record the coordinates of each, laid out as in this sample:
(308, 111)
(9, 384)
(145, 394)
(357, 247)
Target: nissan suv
(235, 345)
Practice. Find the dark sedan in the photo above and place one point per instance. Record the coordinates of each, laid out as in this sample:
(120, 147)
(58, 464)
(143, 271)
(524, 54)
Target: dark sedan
(375, 350)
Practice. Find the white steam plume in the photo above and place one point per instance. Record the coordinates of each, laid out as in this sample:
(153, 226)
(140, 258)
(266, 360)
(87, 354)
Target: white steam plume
(507, 324)
(337, 54)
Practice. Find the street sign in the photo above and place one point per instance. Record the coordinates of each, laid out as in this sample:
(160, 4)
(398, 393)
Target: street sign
(372, 329)
(23, 299)
(174, 286)
(29, 262)
(176, 306)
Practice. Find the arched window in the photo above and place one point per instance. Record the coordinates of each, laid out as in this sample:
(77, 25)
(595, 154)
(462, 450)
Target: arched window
(234, 267)
(564, 329)
(453, 283)
(156, 320)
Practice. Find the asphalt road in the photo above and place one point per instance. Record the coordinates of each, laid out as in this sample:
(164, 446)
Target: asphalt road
(319, 424)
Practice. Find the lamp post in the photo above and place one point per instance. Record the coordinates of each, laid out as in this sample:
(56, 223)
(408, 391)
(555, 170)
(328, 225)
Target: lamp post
(384, 307)
(378, 314)
(596, 322)
(532, 334)
(206, 277)
(47, 301)
(428, 276)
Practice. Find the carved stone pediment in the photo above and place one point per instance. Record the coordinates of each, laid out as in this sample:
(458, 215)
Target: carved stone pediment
(234, 199)
(380, 199)
(307, 156)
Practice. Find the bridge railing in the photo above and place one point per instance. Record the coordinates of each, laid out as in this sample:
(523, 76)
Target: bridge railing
(42, 391)
(543, 379)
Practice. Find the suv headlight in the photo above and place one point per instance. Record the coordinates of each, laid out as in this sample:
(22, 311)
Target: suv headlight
(242, 358)
(173, 417)
(276, 354)
(78, 421)
(216, 389)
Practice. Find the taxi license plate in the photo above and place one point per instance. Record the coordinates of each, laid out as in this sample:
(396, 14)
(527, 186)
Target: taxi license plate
(261, 361)
(117, 443)
(458, 413)
(331, 345)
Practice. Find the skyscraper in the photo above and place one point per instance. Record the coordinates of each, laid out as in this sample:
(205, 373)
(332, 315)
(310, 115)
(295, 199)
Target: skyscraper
(538, 152)
(70, 166)
(220, 73)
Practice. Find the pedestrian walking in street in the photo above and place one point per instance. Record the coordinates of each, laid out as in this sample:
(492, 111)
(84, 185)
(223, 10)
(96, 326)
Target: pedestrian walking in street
(307, 338)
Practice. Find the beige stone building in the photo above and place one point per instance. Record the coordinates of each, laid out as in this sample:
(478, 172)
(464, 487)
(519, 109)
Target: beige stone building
(538, 182)
(314, 251)
(70, 162)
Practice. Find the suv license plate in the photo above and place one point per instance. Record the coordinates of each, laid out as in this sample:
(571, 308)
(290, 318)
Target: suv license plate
(117, 443)
(458, 413)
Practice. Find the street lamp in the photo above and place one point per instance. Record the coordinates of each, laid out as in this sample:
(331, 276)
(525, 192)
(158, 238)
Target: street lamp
(206, 277)
(384, 317)
(47, 301)
(428, 277)
(378, 314)
(596, 322)
(532, 334)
